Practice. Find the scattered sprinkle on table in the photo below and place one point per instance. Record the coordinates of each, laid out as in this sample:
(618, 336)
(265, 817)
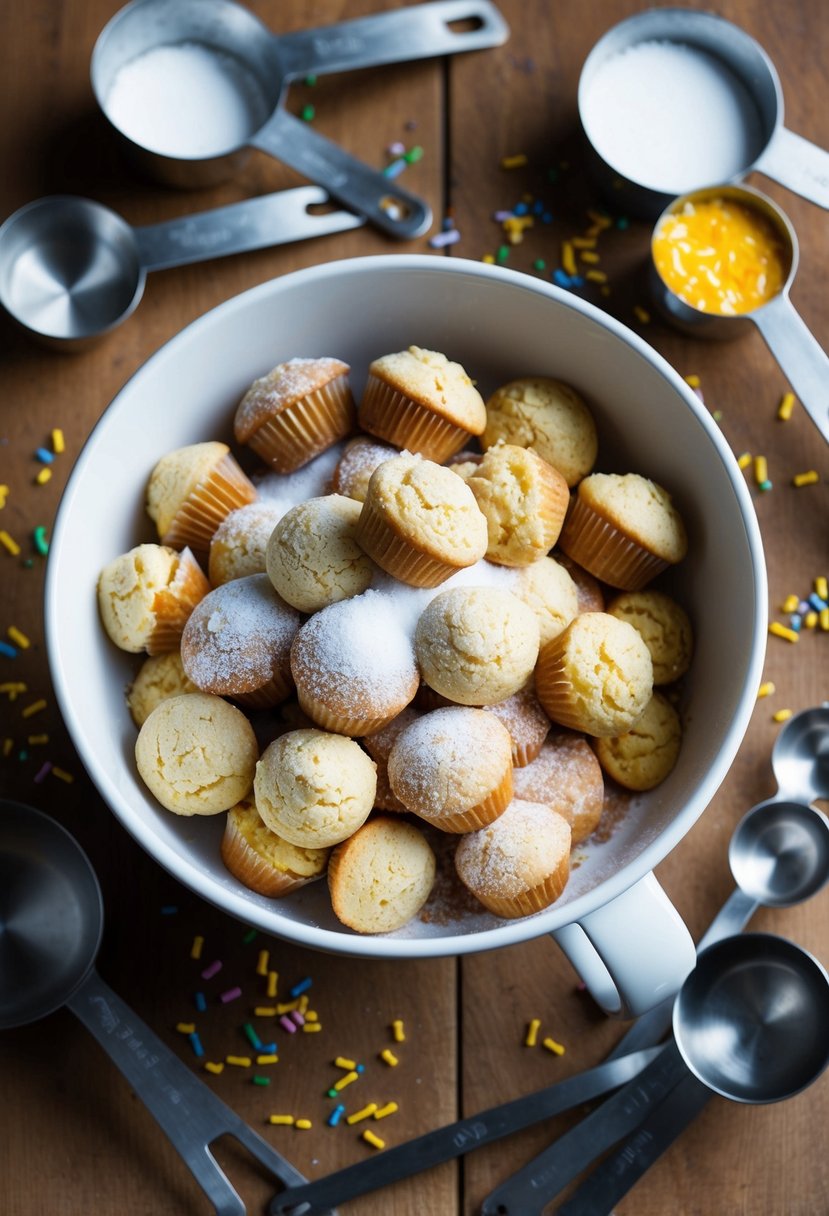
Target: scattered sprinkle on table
(765, 690)
(284, 1120)
(335, 1116)
(517, 161)
(806, 479)
(197, 946)
(9, 543)
(551, 1045)
(398, 1030)
(36, 707)
(531, 1037)
(214, 1067)
(782, 631)
(373, 1140)
(43, 476)
(388, 1057)
(344, 1062)
(231, 994)
(365, 1113)
(303, 1125)
(19, 638)
(262, 963)
(62, 774)
(383, 1112)
(784, 409)
(270, 1058)
(238, 1061)
(213, 969)
(782, 715)
(348, 1079)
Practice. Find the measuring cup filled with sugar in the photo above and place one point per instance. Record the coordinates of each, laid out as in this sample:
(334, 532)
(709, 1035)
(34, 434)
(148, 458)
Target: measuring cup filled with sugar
(672, 99)
(723, 259)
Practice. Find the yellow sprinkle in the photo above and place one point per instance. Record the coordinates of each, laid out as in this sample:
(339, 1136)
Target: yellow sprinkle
(287, 1120)
(58, 444)
(693, 381)
(346, 1080)
(197, 946)
(388, 1057)
(761, 469)
(373, 1140)
(9, 543)
(590, 257)
(13, 689)
(790, 603)
(34, 708)
(186, 1027)
(43, 476)
(583, 242)
(782, 631)
(596, 276)
(62, 774)
(214, 1068)
(303, 1003)
(288, 1007)
(262, 962)
(595, 231)
(342, 1062)
(390, 1108)
(264, 1011)
(311, 1027)
(641, 314)
(810, 619)
(568, 259)
(37, 740)
(273, 980)
(18, 637)
(824, 619)
(359, 1115)
(745, 460)
(311, 1015)
(600, 221)
(784, 409)
(806, 479)
(782, 715)
(553, 1046)
(303, 1125)
(822, 587)
(488, 259)
(532, 1033)
(513, 162)
(8, 746)
(765, 690)
(238, 1061)
(605, 290)
(398, 1030)
(271, 1059)
(4, 493)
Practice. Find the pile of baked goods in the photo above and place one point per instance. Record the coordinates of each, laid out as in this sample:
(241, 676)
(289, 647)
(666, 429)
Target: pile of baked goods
(429, 614)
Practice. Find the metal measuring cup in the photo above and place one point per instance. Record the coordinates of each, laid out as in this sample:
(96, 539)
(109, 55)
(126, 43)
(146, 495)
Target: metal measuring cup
(770, 147)
(792, 343)
(264, 64)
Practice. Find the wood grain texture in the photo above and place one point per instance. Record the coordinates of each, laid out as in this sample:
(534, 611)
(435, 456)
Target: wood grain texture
(73, 1138)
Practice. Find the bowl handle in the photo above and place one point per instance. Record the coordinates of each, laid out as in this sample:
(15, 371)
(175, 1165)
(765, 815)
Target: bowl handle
(633, 952)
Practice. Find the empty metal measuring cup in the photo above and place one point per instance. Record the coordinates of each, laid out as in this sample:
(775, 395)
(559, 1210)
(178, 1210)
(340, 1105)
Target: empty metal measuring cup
(793, 345)
(51, 922)
(72, 269)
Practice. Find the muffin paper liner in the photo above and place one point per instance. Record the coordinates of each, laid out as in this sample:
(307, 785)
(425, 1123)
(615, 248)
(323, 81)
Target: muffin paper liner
(173, 604)
(289, 439)
(341, 724)
(396, 555)
(254, 871)
(267, 695)
(605, 552)
(554, 688)
(391, 415)
(212, 500)
(487, 810)
(536, 899)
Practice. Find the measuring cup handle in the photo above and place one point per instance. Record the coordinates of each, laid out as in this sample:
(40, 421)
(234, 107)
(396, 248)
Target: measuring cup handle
(420, 32)
(366, 190)
(798, 164)
(633, 952)
(799, 354)
(190, 1114)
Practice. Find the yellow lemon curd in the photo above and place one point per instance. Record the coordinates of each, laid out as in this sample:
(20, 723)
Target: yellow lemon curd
(720, 256)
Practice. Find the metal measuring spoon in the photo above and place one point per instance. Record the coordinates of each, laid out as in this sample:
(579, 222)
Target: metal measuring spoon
(72, 269)
(51, 922)
(787, 336)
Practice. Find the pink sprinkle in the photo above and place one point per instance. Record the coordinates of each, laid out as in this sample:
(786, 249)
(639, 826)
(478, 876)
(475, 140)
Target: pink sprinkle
(500, 216)
(287, 1024)
(447, 237)
(42, 772)
(396, 149)
(298, 1018)
(212, 970)
(230, 995)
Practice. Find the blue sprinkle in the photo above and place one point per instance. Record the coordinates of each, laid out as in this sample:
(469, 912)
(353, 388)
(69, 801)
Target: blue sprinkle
(335, 1116)
(169, 910)
(7, 650)
(547, 218)
(395, 168)
(560, 278)
(448, 222)
(44, 455)
(817, 603)
(577, 281)
(301, 987)
(195, 1043)
(267, 1049)
(795, 621)
(538, 207)
(200, 1001)
(520, 209)
(360, 1068)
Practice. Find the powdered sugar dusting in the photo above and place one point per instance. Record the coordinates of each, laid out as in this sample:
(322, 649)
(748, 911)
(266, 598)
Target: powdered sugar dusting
(281, 491)
(449, 760)
(410, 602)
(565, 774)
(514, 853)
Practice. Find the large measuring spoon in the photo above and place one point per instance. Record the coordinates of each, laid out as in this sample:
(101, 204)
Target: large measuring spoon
(51, 922)
(72, 269)
(193, 86)
(787, 336)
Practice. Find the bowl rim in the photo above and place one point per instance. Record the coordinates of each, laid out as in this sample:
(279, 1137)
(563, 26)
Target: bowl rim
(384, 946)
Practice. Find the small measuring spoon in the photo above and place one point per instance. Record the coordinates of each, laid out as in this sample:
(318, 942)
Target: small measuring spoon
(51, 922)
(72, 269)
(793, 345)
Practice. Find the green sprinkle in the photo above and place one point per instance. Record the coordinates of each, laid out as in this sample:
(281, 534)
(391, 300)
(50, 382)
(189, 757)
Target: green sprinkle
(764, 485)
(249, 936)
(539, 264)
(24, 755)
(623, 222)
(41, 543)
(413, 155)
(503, 253)
(261, 1080)
(310, 81)
(332, 1093)
(28, 563)
(308, 113)
(717, 415)
(252, 1036)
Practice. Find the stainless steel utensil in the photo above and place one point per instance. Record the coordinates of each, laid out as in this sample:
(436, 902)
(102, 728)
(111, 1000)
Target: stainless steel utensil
(795, 348)
(72, 269)
(259, 68)
(51, 922)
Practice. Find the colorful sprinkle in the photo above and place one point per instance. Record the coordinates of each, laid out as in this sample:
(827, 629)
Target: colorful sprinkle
(373, 1140)
(303, 1125)
(744, 461)
(270, 1058)
(308, 113)
(784, 409)
(642, 315)
(288, 1025)
(213, 969)
(58, 443)
(413, 155)
(7, 650)
(200, 1001)
(782, 631)
(449, 236)
(389, 1109)
(551, 1045)
(395, 167)
(806, 479)
(265, 1011)
(257, 1080)
(388, 1057)
(300, 987)
(36, 707)
(39, 741)
(398, 1030)
(532, 1033)
(186, 1027)
(168, 910)
(822, 587)
(365, 1113)
(214, 1067)
(195, 1043)
(782, 715)
(9, 543)
(761, 470)
(42, 772)
(43, 476)
(249, 937)
(790, 604)
(335, 1116)
(19, 638)
(823, 616)
(348, 1079)
(238, 1061)
(197, 946)
(4, 493)
(231, 994)
(283, 1120)
(514, 162)
(765, 690)
(273, 980)
(44, 455)
(311, 1027)
(62, 774)
(251, 1036)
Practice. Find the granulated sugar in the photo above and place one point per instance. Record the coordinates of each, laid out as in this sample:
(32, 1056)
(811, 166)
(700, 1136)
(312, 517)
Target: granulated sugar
(281, 491)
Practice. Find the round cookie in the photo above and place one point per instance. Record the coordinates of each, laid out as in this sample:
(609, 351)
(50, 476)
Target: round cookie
(313, 788)
(547, 416)
(239, 543)
(549, 590)
(524, 500)
(381, 876)
(197, 754)
(160, 676)
(360, 457)
(664, 627)
(313, 558)
(642, 757)
(263, 861)
(568, 777)
(145, 597)
(192, 489)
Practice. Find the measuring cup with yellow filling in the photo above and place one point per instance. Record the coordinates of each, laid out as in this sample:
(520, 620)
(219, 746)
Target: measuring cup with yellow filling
(723, 260)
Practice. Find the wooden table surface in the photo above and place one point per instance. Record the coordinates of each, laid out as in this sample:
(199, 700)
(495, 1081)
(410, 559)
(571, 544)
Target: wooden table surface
(73, 1137)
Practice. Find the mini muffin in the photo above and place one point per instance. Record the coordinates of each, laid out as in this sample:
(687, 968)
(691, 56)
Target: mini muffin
(520, 863)
(197, 754)
(568, 777)
(420, 522)
(643, 756)
(379, 747)
(159, 677)
(238, 643)
(547, 416)
(476, 645)
(381, 876)
(263, 861)
(296, 411)
(191, 490)
(596, 676)
(354, 665)
(239, 543)
(360, 458)
(624, 529)
(453, 768)
(526, 721)
(313, 558)
(417, 399)
(665, 628)
(146, 595)
(314, 789)
(524, 500)
(549, 590)
(589, 590)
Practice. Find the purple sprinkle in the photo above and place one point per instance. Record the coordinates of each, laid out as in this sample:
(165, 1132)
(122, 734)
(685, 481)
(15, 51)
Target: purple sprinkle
(287, 1024)
(42, 771)
(231, 995)
(448, 237)
(212, 970)
(396, 149)
(500, 216)
(298, 1018)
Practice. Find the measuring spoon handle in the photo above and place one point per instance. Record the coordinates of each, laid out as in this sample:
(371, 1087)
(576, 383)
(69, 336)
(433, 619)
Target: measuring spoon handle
(347, 179)
(800, 356)
(455, 1139)
(254, 223)
(420, 32)
(798, 164)
(619, 1173)
(190, 1113)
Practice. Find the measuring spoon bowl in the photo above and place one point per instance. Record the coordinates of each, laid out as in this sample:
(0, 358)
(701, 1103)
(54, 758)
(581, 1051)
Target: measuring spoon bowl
(779, 854)
(800, 756)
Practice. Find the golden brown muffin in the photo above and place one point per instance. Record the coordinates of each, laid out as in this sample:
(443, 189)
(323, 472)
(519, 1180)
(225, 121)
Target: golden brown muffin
(159, 677)
(197, 754)
(665, 629)
(239, 543)
(526, 721)
(360, 457)
(624, 529)
(381, 876)
(568, 777)
(379, 747)
(263, 861)
(549, 590)
(453, 768)
(419, 400)
(588, 589)
(519, 864)
(145, 597)
(191, 490)
(524, 500)
(299, 409)
(643, 756)
(313, 558)
(547, 416)
(596, 676)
